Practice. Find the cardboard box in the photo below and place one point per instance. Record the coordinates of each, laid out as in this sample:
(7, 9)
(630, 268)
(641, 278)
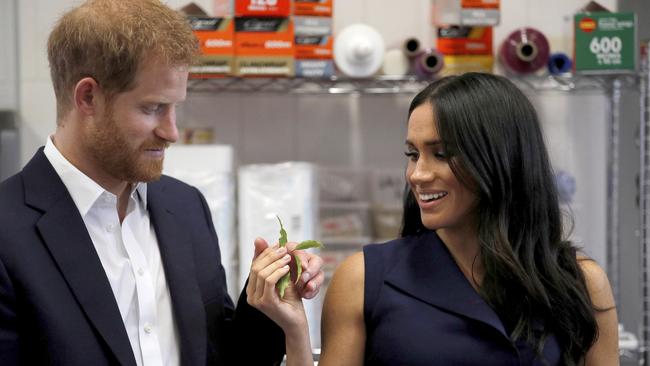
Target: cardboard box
(262, 8)
(216, 39)
(466, 12)
(314, 68)
(312, 26)
(479, 4)
(314, 47)
(313, 37)
(321, 8)
(264, 46)
(264, 37)
(264, 66)
(461, 40)
(223, 8)
(459, 64)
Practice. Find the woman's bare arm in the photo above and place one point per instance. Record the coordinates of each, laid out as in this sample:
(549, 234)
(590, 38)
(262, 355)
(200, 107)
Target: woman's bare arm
(343, 328)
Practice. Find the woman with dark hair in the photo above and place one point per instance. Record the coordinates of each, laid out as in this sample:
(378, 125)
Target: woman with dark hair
(481, 274)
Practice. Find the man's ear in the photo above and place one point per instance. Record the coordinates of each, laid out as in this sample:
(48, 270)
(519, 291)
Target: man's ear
(88, 96)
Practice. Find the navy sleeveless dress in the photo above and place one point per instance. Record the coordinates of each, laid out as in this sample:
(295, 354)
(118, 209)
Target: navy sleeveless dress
(420, 309)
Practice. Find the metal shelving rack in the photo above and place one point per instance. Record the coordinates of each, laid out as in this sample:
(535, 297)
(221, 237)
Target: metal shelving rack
(393, 84)
(645, 207)
(288, 85)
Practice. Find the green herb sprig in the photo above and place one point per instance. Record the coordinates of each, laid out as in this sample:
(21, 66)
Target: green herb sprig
(284, 281)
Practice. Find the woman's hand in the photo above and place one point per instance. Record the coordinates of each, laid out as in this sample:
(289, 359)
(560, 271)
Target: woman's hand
(269, 265)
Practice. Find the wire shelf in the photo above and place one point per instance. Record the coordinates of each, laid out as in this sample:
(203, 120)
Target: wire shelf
(395, 84)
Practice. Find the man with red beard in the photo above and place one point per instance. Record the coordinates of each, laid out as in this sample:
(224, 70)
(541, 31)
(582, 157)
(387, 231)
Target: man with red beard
(103, 260)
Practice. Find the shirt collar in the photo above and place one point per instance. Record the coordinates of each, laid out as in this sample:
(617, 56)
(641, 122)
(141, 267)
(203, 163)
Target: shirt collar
(83, 190)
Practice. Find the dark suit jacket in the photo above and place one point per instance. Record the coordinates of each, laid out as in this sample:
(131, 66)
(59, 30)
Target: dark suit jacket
(56, 304)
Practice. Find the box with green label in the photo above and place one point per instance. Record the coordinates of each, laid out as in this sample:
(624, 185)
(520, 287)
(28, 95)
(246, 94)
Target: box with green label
(605, 43)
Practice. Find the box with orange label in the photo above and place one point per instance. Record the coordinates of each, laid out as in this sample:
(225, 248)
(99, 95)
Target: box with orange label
(313, 37)
(479, 4)
(322, 8)
(264, 46)
(460, 40)
(215, 37)
(262, 8)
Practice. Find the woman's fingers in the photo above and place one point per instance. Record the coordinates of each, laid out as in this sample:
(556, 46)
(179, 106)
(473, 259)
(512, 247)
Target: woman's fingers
(268, 293)
(264, 297)
(266, 274)
(263, 260)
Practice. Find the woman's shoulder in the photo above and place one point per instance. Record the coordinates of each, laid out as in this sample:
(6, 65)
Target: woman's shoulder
(373, 256)
(597, 282)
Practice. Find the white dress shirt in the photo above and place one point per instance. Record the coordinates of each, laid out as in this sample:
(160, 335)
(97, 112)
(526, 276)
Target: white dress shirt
(131, 259)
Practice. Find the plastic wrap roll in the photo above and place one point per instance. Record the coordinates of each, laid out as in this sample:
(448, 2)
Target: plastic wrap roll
(411, 47)
(559, 63)
(524, 51)
(428, 63)
(359, 50)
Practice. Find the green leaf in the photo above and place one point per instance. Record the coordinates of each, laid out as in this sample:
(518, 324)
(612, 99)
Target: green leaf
(298, 268)
(283, 234)
(283, 284)
(309, 244)
(284, 281)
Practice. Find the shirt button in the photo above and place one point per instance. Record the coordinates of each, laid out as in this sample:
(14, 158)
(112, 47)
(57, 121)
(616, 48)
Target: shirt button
(147, 329)
(110, 228)
(141, 271)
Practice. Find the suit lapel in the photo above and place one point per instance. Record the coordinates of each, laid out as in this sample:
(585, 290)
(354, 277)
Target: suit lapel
(65, 235)
(178, 260)
(428, 272)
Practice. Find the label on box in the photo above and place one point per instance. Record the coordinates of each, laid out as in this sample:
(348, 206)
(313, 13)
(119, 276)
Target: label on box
(264, 66)
(264, 37)
(459, 64)
(462, 40)
(215, 36)
(314, 46)
(314, 68)
(466, 12)
(263, 8)
(313, 7)
(210, 66)
(605, 42)
(479, 17)
(312, 26)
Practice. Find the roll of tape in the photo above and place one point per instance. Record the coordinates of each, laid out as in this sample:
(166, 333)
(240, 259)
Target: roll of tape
(559, 63)
(524, 51)
(359, 50)
(396, 63)
(428, 63)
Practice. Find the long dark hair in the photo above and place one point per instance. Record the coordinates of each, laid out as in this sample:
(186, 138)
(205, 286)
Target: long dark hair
(531, 273)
